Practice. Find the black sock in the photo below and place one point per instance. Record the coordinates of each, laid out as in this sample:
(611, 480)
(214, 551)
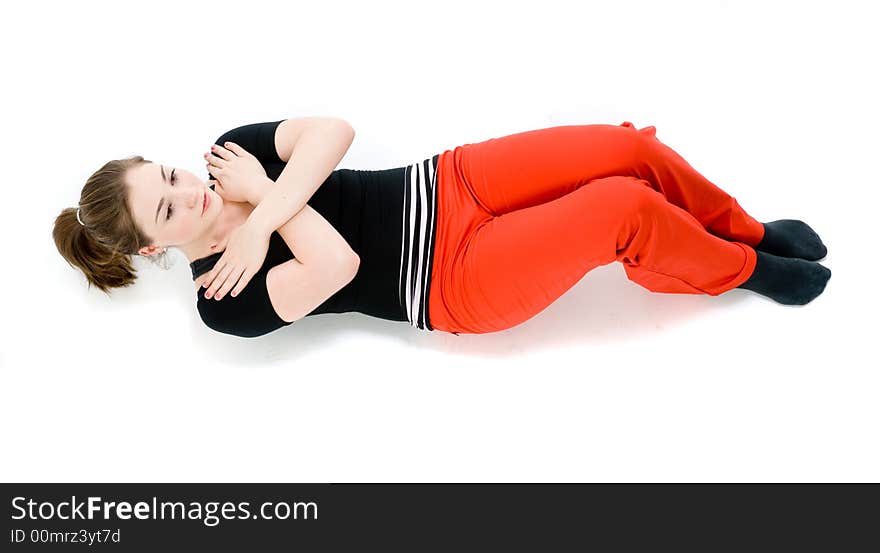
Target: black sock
(790, 281)
(792, 238)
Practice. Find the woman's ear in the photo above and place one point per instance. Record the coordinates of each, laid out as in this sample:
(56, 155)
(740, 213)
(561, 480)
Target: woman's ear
(147, 251)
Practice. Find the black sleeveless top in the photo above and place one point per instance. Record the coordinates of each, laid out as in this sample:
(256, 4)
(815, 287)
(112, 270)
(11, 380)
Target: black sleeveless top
(388, 217)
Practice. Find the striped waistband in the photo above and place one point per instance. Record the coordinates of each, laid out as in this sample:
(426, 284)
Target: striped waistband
(419, 226)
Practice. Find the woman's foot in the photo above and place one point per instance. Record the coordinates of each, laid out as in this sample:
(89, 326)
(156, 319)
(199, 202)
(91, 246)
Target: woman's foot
(792, 238)
(789, 281)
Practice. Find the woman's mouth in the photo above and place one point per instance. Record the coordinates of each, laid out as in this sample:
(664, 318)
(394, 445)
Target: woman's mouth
(206, 203)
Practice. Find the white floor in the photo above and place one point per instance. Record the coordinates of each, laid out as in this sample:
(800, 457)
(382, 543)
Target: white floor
(775, 103)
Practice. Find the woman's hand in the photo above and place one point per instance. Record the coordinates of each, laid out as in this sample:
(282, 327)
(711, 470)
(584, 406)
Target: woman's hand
(236, 172)
(244, 255)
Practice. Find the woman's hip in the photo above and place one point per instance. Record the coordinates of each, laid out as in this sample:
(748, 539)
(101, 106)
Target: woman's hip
(459, 215)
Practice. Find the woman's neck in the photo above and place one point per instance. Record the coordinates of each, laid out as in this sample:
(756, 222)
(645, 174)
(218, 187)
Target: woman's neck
(232, 216)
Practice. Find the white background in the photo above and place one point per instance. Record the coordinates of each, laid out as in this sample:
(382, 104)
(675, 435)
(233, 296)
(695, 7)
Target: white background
(776, 102)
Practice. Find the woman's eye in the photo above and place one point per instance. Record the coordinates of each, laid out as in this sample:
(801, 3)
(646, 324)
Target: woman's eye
(173, 178)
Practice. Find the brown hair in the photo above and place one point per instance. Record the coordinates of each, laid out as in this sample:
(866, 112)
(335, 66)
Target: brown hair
(102, 248)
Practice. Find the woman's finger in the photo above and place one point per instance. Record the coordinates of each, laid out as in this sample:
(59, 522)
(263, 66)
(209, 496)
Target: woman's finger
(219, 281)
(221, 152)
(221, 278)
(209, 277)
(242, 282)
(230, 282)
(235, 148)
(215, 160)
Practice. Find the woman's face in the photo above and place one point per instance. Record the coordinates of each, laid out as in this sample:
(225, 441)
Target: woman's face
(168, 204)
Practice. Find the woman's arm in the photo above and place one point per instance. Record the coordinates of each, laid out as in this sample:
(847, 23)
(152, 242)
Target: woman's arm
(310, 237)
(317, 152)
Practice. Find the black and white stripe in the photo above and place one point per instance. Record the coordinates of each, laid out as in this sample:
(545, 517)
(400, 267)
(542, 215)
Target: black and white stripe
(417, 247)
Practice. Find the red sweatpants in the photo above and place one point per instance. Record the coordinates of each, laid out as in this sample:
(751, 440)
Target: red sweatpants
(521, 218)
